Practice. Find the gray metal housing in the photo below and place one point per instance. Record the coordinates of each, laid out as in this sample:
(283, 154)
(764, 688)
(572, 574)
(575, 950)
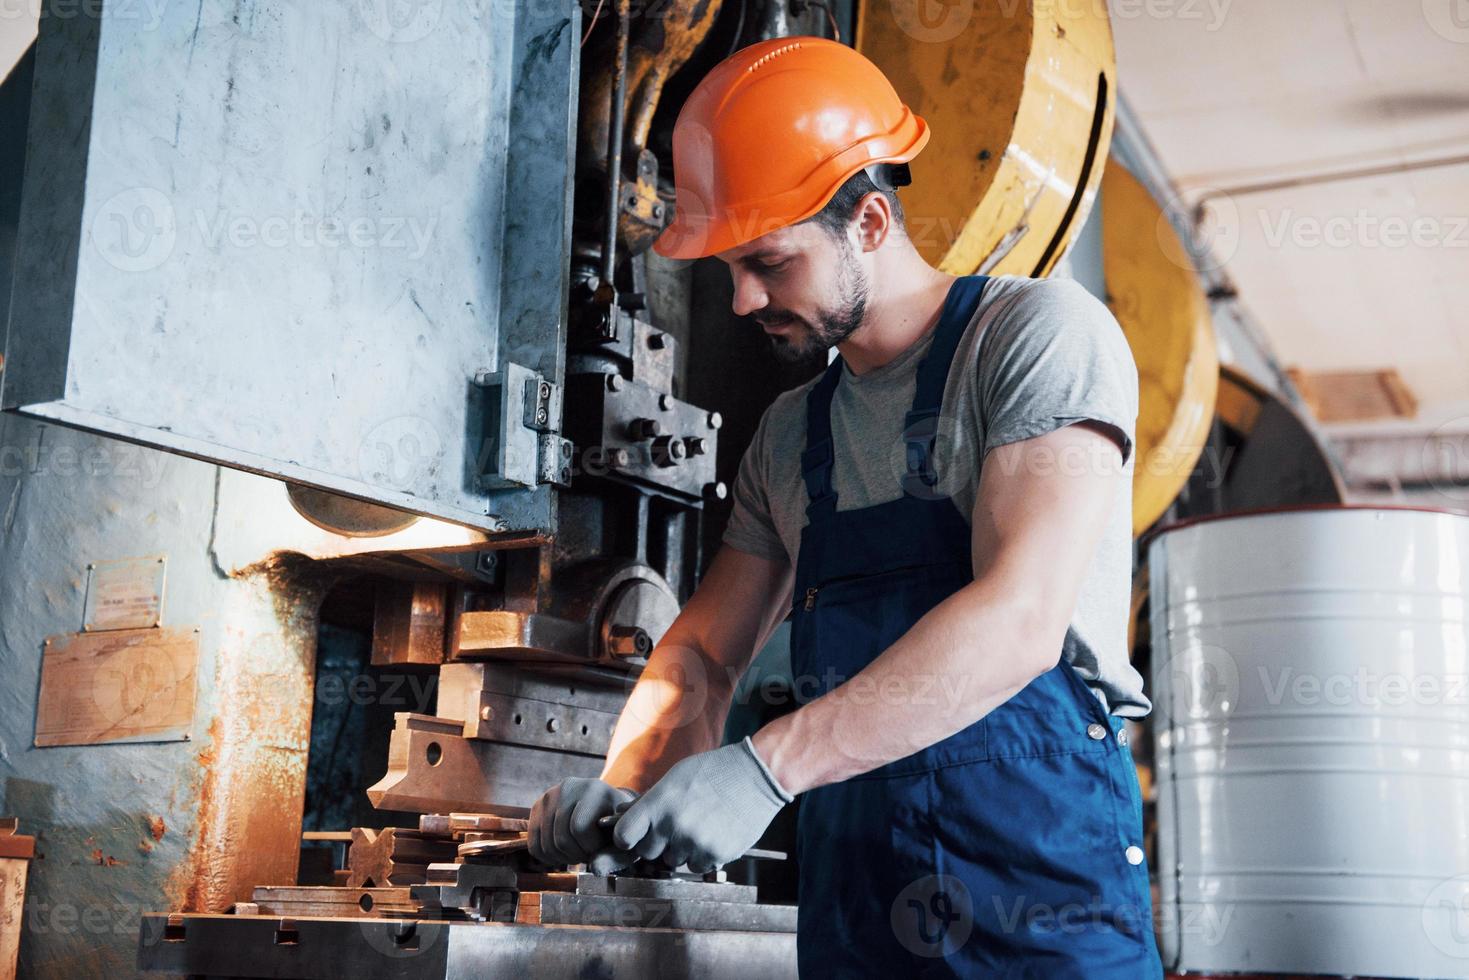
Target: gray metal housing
(288, 237)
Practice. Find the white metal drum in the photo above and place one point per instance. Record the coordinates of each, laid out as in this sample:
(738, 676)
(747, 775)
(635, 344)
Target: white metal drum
(1312, 724)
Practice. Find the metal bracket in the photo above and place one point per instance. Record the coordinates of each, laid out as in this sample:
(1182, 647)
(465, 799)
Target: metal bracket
(522, 442)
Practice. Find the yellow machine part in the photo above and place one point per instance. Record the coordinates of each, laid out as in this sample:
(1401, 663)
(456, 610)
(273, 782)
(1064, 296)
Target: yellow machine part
(1156, 296)
(1019, 99)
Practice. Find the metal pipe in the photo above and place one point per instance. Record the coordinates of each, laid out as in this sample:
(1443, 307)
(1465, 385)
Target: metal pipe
(615, 124)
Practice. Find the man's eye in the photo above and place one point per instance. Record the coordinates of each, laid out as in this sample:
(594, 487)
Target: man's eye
(775, 266)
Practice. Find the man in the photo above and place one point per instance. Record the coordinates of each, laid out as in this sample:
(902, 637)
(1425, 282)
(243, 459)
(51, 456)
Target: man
(945, 515)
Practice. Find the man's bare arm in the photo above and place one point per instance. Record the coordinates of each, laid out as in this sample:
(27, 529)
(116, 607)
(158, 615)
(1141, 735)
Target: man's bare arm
(679, 704)
(1038, 518)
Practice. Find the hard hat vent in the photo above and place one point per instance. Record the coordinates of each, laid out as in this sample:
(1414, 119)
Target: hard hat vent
(761, 61)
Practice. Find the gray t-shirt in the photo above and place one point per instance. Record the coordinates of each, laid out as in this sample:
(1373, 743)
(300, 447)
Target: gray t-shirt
(1038, 355)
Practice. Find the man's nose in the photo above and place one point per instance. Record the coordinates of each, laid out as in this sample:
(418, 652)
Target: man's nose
(749, 295)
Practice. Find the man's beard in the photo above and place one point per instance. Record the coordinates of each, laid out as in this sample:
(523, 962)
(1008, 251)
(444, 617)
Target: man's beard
(832, 326)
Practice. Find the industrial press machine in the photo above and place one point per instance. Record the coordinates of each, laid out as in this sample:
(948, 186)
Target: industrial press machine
(340, 319)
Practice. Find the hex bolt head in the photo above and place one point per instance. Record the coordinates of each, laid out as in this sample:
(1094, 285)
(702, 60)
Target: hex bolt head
(695, 446)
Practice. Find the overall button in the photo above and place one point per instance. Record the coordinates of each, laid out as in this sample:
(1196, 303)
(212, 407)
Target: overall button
(1122, 737)
(1134, 855)
(1096, 731)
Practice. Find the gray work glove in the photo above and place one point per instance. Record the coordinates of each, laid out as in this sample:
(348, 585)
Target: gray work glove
(706, 811)
(563, 822)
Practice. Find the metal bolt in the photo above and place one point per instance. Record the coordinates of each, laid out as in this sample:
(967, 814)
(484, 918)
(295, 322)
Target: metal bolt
(486, 713)
(541, 416)
(614, 382)
(618, 458)
(695, 445)
(665, 402)
(553, 724)
(668, 451)
(545, 389)
(716, 490)
(628, 641)
(714, 420)
(658, 211)
(645, 428)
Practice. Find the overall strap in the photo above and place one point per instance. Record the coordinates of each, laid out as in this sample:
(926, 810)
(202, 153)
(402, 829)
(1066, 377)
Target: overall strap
(817, 459)
(920, 425)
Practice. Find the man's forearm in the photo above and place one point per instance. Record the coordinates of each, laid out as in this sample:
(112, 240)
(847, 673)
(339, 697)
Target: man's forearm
(964, 658)
(677, 708)
(679, 704)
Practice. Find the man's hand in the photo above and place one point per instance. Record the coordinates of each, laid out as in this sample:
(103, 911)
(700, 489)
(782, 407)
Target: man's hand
(708, 810)
(563, 822)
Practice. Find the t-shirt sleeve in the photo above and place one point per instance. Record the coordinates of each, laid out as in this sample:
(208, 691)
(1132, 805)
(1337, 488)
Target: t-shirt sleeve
(751, 529)
(1056, 356)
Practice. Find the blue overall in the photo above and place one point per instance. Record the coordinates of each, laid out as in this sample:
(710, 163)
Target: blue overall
(1001, 851)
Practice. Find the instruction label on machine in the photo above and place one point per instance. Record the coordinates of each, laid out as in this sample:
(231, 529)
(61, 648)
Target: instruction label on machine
(118, 686)
(124, 594)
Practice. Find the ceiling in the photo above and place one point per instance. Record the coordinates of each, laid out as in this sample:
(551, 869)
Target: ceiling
(1356, 273)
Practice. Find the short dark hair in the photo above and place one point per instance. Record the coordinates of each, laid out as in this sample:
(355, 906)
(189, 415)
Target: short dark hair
(837, 213)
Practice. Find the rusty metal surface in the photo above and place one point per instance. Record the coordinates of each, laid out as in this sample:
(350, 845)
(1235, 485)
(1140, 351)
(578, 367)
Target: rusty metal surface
(409, 623)
(252, 771)
(125, 828)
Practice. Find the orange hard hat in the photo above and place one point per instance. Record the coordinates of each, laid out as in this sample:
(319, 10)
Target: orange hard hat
(771, 133)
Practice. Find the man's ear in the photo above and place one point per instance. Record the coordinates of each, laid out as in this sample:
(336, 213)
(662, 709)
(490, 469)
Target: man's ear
(874, 220)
